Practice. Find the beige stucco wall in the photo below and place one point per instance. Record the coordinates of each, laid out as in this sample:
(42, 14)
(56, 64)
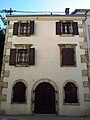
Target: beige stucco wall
(47, 66)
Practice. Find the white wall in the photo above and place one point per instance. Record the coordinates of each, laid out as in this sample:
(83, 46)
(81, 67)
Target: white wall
(47, 65)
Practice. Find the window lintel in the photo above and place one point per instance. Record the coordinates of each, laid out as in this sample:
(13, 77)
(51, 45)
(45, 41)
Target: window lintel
(67, 45)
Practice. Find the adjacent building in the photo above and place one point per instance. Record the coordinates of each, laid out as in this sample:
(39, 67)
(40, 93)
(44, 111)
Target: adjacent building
(45, 66)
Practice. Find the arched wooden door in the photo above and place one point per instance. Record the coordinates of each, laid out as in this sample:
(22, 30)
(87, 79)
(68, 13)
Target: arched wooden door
(44, 99)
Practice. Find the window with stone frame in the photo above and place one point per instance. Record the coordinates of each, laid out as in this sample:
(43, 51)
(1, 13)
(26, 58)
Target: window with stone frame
(22, 55)
(67, 27)
(67, 55)
(70, 91)
(19, 93)
(23, 28)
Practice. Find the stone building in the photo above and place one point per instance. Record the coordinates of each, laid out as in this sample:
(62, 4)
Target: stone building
(45, 66)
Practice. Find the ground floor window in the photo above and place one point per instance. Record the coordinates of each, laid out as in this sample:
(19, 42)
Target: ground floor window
(19, 90)
(70, 90)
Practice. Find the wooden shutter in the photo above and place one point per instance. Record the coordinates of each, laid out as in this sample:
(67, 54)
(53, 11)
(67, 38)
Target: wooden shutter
(74, 98)
(32, 56)
(31, 27)
(58, 28)
(70, 59)
(75, 28)
(64, 56)
(68, 56)
(70, 93)
(15, 28)
(12, 60)
(67, 93)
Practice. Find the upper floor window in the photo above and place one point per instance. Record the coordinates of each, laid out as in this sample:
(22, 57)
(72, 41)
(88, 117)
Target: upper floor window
(22, 56)
(66, 27)
(23, 28)
(67, 55)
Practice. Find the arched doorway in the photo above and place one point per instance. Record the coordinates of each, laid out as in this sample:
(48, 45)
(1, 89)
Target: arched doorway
(44, 99)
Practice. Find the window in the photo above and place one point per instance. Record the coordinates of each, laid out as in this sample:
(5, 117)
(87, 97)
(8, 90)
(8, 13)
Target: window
(66, 27)
(70, 90)
(67, 55)
(19, 90)
(23, 29)
(22, 56)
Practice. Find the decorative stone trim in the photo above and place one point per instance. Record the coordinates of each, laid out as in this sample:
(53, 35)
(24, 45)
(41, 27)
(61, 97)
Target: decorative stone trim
(23, 46)
(87, 113)
(10, 34)
(84, 73)
(89, 72)
(56, 92)
(87, 96)
(86, 52)
(80, 25)
(67, 46)
(83, 58)
(81, 34)
(86, 84)
(10, 26)
(83, 45)
(2, 112)
(6, 58)
(3, 97)
(3, 84)
(6, 73)
(8, 45)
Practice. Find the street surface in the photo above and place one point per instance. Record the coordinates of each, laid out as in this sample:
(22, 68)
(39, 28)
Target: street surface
(42, 117)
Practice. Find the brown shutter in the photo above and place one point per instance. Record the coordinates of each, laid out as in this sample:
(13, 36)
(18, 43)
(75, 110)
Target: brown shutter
(64, 56)
(71, 56)
(12, 60)
(68, 56)
(32, 56)
(70, 93)
(58, 28)
(15, 28)
(75, 28)
(31, 27)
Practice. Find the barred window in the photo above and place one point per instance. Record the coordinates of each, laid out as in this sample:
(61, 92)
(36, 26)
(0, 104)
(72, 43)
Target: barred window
(22, 56)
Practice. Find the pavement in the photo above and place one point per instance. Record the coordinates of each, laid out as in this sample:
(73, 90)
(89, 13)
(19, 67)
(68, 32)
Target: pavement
(42, 117)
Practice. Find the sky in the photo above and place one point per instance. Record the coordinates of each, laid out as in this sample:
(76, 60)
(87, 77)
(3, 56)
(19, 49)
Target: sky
(43, 5)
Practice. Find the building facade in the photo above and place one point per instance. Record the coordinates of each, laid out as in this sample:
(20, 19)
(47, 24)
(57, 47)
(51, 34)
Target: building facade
(45, 66)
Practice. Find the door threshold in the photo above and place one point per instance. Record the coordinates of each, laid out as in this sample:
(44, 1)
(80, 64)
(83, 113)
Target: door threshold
(42, 114)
